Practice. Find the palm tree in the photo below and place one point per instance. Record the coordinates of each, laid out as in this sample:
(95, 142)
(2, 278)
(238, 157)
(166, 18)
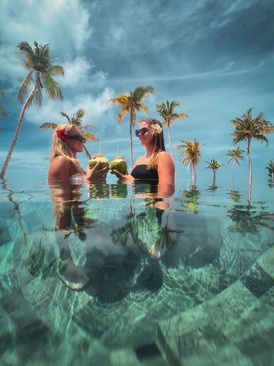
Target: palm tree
(3, 113)
(214, 165)
(74, 119)
(41, 69)
(166, 111)
(270, 169)
(235, 156)
(192, 156)
(247, 128)
(131, 104)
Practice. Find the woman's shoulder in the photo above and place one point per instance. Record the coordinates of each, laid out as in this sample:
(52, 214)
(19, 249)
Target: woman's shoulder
(164, 155)
(60, 160)
(59, 166)
(165, 160)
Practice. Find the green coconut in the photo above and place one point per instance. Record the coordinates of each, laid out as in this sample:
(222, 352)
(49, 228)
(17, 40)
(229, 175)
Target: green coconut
(119, 164)
(95, 159)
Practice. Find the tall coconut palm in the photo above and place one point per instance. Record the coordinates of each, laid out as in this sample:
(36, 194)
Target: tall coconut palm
(192, 156)
(75, 119)
(270, 169)
(131, 104)
(3, 113)
(166, 111)
(41, 69)
(214, 165)
(235, 156)
(247, 128)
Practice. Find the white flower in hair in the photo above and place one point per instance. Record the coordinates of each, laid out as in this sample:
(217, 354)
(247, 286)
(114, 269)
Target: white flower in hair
(156, 128)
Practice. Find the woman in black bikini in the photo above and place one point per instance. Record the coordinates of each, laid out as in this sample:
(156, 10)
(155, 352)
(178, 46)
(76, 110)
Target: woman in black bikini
(156, 165)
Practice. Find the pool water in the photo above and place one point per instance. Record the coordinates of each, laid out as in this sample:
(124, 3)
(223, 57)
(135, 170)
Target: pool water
(121, 286)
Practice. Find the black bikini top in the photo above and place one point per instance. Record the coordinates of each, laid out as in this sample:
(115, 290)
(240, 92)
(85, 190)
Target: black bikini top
(141, 172)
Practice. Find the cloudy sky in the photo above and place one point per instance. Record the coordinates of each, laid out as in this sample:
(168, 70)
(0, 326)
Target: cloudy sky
(215, 57)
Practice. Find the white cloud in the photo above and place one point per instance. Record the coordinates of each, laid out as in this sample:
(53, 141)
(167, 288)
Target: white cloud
(81, 75)
(96, 109)
(63, 23)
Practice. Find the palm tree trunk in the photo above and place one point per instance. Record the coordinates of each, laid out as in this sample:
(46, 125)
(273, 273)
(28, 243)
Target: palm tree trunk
(16, 134)
(87, 152)
(169, 141)
(250, 170)
(131, 123)
(249, 161)
(193, 175)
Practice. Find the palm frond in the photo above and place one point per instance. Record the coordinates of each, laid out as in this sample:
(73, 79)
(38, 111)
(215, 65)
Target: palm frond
(48, 125)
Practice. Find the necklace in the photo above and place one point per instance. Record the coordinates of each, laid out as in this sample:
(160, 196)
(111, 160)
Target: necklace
(148, 153)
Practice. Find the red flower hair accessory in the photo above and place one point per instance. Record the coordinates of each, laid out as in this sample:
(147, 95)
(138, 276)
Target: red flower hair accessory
(62, 135)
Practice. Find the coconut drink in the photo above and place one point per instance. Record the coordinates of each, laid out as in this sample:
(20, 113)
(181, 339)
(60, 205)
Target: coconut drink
(95, 159)
(119, 164)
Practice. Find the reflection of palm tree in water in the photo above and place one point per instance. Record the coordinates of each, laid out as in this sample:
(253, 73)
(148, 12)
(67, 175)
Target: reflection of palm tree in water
(236, 196)
(190, 200)
(71, 238)
(146, 227)
(249, 219)
(122, 268)
(34, 250)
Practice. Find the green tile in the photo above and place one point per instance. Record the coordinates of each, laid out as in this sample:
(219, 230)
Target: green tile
(266, 262)
(229, 304)
(124, 357)
(257, 280)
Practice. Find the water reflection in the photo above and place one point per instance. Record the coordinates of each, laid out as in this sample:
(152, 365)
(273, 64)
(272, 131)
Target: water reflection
(213, 188)
(147, 230)
(95, 253)
(190, 201)
(236, 196)
(140, 259)
(250, 218)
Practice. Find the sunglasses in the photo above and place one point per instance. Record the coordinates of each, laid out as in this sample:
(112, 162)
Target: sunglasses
(142, 131)
(77, 137)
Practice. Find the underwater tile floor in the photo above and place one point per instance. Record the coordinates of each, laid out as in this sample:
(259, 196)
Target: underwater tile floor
(235, 327)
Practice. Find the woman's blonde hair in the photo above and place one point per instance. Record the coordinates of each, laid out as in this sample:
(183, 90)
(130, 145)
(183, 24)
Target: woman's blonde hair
(59, 147)
(156, 128)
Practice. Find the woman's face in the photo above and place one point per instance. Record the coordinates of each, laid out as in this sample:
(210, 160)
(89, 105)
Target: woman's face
(74, 144)
(145, 136)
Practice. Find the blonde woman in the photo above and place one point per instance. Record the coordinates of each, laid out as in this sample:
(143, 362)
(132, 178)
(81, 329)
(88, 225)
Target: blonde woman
(66, 176)
(156, 165)
(67, 141)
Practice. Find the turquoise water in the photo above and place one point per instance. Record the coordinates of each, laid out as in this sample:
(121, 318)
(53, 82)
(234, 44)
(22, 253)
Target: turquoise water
(208, 240)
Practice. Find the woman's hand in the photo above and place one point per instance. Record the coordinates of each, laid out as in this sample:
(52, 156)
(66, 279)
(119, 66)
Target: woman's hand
(125, 178)
(96, 174)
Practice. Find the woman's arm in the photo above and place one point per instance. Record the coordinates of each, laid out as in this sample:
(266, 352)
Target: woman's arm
(125, 178)
(96, 174)
(59, 171)
(166, 174)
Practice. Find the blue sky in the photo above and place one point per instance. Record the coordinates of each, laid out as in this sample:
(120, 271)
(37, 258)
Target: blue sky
(215, 57)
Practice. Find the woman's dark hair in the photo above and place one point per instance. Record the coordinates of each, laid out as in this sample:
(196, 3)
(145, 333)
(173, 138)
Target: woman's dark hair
(158, 138)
